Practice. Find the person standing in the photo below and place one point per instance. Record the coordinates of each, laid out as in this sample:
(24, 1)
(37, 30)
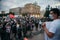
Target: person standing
(8, 31)
(53, 33)
(40, 24)
(19, 31)
(36, 25)
(1, 30)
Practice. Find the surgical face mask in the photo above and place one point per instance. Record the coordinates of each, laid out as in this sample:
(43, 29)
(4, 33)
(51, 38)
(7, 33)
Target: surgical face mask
(51, 16)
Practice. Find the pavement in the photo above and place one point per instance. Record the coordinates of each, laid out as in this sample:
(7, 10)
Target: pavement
(38, 37)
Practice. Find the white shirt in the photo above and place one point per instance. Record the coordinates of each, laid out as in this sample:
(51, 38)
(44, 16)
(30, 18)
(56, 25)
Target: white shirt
(8, 29)
(54, 27)
(40, 22)
(47, 26)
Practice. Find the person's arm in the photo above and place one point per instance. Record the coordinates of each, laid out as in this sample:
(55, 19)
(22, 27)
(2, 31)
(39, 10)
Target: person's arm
(49, 34)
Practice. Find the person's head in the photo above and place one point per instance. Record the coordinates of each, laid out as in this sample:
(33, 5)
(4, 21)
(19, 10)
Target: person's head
(54, 13)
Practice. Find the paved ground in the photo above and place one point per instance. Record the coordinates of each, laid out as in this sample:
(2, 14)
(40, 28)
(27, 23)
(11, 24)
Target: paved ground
(38, 37)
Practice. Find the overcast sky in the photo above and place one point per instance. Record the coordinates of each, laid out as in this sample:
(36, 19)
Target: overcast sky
(7, 4)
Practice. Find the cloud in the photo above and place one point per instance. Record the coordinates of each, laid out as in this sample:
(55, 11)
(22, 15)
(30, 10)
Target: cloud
(58, 4)
(57, 0)
(7, 4)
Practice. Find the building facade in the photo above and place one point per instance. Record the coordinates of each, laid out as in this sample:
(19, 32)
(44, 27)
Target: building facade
(17, 10)
(31, 9)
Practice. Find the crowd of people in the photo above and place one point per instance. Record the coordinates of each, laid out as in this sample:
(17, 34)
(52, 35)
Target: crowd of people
(17, 28)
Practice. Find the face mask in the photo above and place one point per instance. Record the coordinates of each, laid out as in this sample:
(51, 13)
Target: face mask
(50, 16)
